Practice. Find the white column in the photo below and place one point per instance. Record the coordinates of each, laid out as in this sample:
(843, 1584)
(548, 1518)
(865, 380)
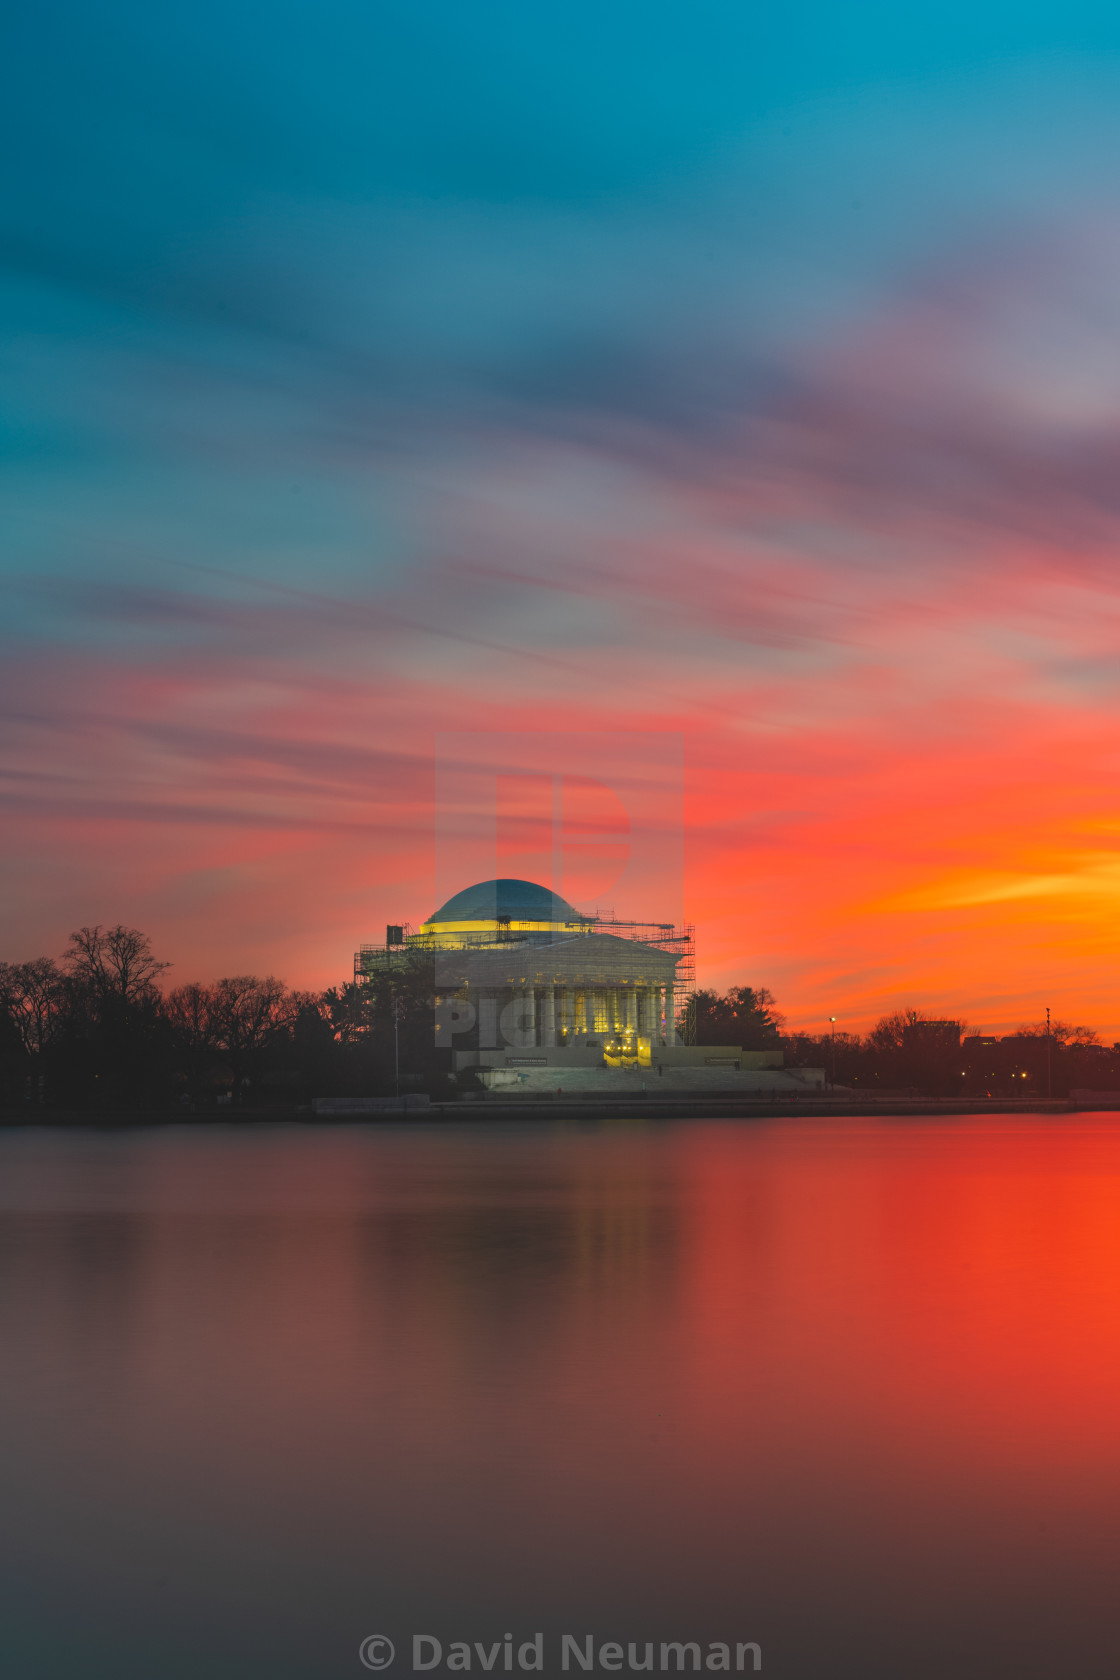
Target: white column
(670, 1016)
(631, 1009)
(548, 1018)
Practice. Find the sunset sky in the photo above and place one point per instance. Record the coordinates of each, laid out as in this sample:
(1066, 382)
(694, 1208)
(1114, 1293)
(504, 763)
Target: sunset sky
(744, 375)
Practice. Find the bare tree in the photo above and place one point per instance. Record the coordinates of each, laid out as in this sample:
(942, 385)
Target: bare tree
(190, 1012)
(190, 1009)
(1061, 1032)
(890, 1033)
(248, 1012)
(114, 962)
(32, 994)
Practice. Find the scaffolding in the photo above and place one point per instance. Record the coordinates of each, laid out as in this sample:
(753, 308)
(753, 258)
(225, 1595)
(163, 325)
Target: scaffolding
(679, 942)
(378, 959)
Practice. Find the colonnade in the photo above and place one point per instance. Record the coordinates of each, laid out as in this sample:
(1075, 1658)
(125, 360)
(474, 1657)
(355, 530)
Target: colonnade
(547, 1016)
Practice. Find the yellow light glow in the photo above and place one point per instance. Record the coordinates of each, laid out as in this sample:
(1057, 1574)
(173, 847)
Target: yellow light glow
(491, 925)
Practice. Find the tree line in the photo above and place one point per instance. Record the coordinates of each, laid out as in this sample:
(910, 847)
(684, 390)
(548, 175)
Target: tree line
(908, 1051)
(96, 1029)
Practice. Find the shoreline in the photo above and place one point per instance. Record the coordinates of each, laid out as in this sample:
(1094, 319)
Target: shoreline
(679, 1107)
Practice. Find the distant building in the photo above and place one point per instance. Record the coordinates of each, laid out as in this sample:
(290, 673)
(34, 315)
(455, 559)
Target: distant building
(936, 1034)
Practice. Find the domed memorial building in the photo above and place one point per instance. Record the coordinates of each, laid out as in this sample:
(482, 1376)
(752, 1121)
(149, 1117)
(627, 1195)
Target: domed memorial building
(540, 976)
(524, 980)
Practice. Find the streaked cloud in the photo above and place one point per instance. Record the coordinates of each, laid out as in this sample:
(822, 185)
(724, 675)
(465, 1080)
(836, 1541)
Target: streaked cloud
(490, 375)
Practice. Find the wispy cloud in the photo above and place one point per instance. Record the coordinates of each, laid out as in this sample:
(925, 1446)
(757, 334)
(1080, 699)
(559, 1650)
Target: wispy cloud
(799, 435)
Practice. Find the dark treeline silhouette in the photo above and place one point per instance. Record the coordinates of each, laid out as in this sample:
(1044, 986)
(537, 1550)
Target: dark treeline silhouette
(908, 1051)
(746, 1016)
(94, 1030)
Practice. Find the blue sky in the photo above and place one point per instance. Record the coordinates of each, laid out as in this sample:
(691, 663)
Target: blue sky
(744, 372)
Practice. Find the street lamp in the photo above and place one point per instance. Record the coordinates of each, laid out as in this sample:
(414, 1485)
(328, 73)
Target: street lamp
(1049, 1083)
(832, 1020)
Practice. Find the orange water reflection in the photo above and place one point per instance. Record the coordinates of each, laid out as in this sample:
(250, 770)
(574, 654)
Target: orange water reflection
(850, 1390)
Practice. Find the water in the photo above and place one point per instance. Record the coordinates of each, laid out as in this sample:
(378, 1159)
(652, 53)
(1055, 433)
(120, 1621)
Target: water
(847, 1390)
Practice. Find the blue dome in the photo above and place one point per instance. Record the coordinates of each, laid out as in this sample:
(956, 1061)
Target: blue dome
(522, 901)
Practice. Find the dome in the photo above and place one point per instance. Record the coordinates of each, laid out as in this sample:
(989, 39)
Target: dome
(521, 901)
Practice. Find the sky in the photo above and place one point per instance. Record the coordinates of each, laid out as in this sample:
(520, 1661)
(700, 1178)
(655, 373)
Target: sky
(743, 377)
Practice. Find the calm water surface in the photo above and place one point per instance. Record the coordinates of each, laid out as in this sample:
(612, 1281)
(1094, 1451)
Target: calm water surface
(850, 1390)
